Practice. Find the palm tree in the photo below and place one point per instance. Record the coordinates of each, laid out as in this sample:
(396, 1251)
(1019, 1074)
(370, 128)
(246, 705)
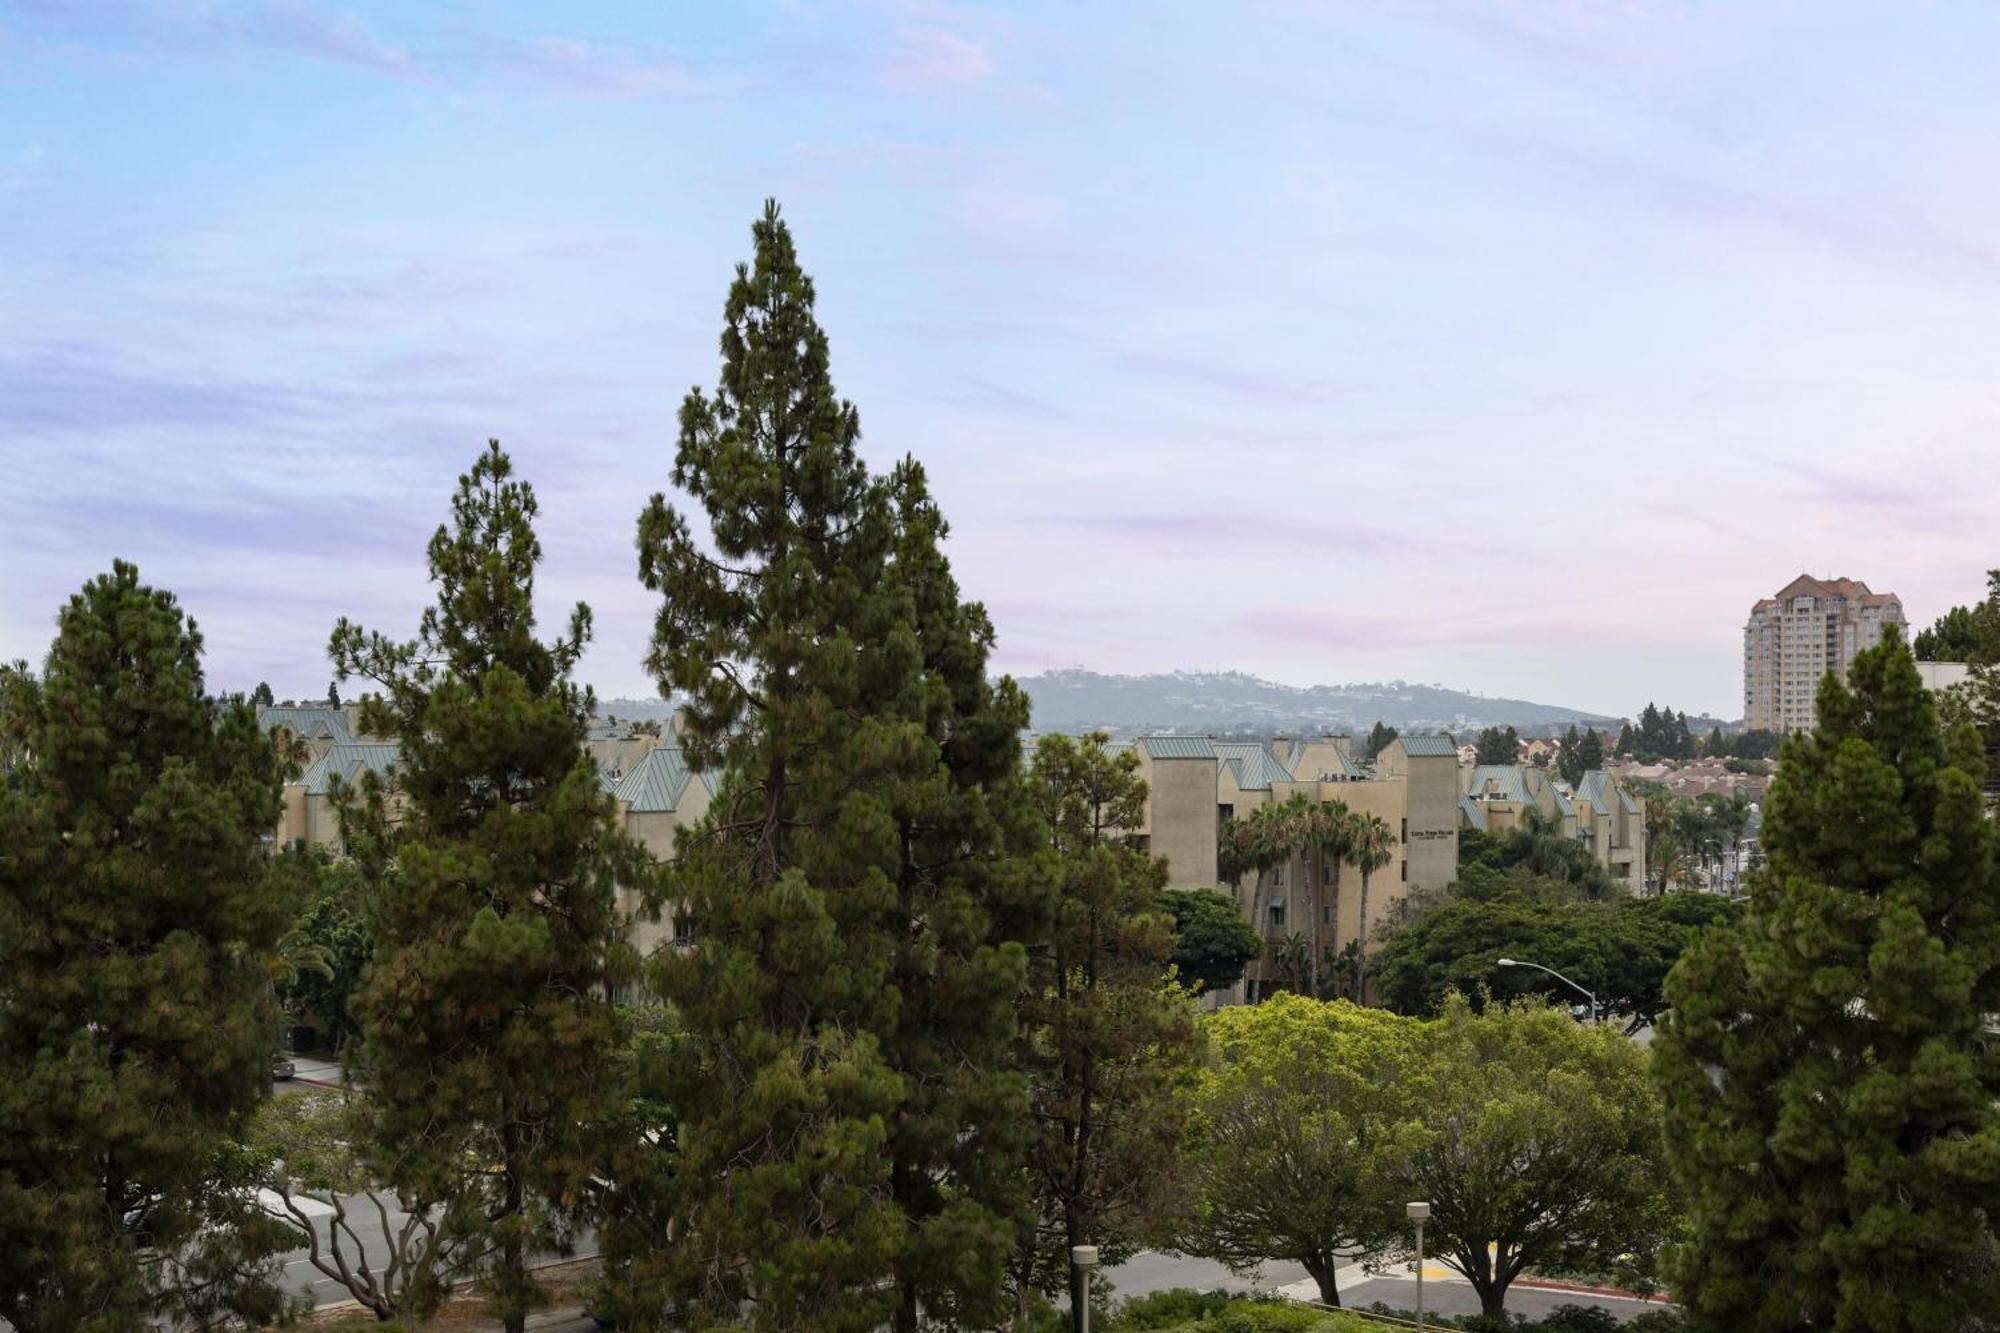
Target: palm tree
(1370, 848)
(1330, 833)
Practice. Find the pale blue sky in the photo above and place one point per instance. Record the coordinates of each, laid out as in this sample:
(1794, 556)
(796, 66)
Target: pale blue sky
(1512, 345)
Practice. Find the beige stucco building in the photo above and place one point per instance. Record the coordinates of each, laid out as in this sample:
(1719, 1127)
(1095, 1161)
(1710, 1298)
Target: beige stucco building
(1601, 813)
(1194, 783)
(657, 793)
(1812, 626)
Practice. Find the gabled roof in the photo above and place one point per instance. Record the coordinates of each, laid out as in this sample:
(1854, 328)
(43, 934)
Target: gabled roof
(1177, 747)
(1596, 788)
(1472, 812)
(344, 764)
(1426, 747)
(1252, 764)
(656, 782)
(1503, 780)
(308, 722)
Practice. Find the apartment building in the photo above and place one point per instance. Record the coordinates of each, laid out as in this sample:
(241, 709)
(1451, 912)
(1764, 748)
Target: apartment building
(1602, 813)
(1812, 626)
(657, 792)
(1195, 783)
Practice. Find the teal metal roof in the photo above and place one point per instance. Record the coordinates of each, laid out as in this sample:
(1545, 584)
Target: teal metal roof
(1503, 780)
(308, 723)
(1178, 747)
(1472, 812)
(1595, 787)
(1427, 747)
(1253, 765)
(1564, 805)
(344, 764)
(656, 782)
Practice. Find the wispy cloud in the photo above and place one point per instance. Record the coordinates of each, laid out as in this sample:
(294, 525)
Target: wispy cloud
(929, 55)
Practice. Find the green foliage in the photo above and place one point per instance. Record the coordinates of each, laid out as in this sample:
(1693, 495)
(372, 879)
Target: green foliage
(852, 1120)
(1660, 734)
(331, 943)
(1621, 948)
(138, 932)
(1299, 1123)
(1581, 752)
(261, 696)
(1377, 741)
(1959, 635)
(1539, 1146)
(1106, 1037)
(312, 1153)
(1831, 1090)
(1499, 745)
(1212, 941)
(1538, 846)
(487, 1027)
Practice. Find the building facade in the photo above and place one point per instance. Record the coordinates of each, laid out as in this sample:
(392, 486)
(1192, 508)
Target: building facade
(1812, 626)
(1195, 783)
(1602, 812)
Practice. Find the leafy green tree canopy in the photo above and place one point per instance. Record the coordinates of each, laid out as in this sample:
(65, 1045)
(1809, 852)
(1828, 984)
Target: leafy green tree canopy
(1212, 941)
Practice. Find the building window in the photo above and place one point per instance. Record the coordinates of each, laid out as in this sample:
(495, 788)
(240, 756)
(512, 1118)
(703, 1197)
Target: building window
(1225, 812)
(1326, 914)
(683, 929)
(1406, 828)
(1278, 914)
(1405, 869)
(1326, 874)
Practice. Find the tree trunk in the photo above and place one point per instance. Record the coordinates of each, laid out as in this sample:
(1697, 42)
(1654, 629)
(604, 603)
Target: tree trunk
(1492, 1297)
(1361, 945)
(1323, 1271)
(513, 1263)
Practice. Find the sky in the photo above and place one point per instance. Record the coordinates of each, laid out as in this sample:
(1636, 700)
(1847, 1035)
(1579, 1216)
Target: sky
(1511, 345)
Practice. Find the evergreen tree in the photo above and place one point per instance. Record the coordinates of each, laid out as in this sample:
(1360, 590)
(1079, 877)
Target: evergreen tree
(1589, 754)
(1107, 1038)
(487, 1028)
(852, 1120)
(1499, 745)
(1833, 1100)
(1567, 765)
(1628, 741)
(333, 693)
(136, 928)
(1379, 737)
(261, 696)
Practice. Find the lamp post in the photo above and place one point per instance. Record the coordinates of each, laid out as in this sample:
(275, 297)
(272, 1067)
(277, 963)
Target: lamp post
(1085, 1259)
(1515, 962)
(1419, 1213)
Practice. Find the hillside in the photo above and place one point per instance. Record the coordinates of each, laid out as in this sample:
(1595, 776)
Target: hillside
(1228, 701)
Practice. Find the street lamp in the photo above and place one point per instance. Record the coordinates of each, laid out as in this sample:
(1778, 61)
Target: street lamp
(1515, 962)
(1419, 1213)
(1085, 1259)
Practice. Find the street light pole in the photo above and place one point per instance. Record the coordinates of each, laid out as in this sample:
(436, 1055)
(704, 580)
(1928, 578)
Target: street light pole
(1419, 1213)
(1085, 1259)
(1515, 962)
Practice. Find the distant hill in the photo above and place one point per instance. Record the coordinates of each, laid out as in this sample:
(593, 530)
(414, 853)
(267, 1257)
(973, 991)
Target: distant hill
(1233, 701)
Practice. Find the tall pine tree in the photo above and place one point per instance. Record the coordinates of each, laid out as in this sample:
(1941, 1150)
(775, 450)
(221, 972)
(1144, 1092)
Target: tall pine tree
(487, 1028)
(851, 1114)
(1833, 1096)
(137, 926)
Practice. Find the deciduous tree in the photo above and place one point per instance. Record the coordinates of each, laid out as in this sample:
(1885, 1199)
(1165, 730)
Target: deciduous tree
(1300, 1121)
(1540, 1147)
(1212, 941)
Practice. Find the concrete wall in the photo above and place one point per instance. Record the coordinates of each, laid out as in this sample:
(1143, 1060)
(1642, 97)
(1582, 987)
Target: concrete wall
(1181, 818)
